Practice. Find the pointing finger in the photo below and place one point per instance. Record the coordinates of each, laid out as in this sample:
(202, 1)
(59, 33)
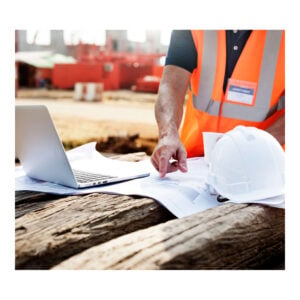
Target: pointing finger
(182, 165)
(163, 164)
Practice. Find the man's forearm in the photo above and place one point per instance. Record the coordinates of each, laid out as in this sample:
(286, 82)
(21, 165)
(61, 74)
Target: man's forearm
(168, 113)
(169, 105)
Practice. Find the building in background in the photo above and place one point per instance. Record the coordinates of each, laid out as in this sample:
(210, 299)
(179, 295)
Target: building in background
(117, 58)
(64, 41)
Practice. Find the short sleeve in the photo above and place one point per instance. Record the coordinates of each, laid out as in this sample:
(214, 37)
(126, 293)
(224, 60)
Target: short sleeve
(182, 51)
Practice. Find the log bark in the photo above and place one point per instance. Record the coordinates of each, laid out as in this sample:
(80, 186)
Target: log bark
(49, 231)
(231, 236)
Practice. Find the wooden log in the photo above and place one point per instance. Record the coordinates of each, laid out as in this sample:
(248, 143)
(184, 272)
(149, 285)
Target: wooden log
(27, 201)
(231, 236)
(50, 228)
(49, 231)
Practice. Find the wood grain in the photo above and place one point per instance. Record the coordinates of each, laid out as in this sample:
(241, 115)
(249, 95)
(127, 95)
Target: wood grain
(51, 231)
(231, 236)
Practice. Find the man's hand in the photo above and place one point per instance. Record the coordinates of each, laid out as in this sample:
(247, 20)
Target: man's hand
(169, 156)
(168, 114)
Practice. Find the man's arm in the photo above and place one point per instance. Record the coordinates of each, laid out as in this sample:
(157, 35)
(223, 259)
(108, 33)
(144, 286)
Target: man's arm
(277, 129)
(168, 114)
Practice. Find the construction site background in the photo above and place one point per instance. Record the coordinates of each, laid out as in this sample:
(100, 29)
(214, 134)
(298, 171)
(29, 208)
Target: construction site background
(122, 76)
(123, 122)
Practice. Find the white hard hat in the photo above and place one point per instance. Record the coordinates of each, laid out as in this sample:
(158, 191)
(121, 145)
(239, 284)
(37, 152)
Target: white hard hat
(246, 165)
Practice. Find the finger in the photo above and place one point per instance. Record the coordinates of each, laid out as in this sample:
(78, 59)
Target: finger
(155, 158)
(154, 162)
(163, 165)
(182, 164)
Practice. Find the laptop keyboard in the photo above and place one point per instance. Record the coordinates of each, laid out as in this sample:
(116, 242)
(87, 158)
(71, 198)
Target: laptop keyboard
(84, 177)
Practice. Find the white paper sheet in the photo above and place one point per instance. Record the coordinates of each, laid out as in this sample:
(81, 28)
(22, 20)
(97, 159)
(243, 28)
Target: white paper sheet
(86, 158)
(183, 194)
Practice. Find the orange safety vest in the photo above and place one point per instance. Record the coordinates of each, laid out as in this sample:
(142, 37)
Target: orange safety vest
(261, 64)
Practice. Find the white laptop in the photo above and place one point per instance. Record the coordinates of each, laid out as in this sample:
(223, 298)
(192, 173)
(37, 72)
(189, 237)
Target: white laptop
(42, 154)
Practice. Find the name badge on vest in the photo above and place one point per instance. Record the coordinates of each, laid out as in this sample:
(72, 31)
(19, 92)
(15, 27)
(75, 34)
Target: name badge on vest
(241, 92)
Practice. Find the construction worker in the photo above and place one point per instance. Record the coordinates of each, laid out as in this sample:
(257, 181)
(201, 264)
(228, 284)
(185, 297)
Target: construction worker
(233, 77)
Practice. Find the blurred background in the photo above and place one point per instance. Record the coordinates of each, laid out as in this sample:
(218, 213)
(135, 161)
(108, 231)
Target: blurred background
(99, 85)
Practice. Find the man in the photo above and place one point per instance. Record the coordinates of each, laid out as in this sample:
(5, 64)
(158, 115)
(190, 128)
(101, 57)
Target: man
(233, 77)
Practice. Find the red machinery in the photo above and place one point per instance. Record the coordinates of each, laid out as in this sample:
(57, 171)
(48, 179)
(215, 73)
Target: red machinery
(147, 84)
(116, 70)
(66, 75)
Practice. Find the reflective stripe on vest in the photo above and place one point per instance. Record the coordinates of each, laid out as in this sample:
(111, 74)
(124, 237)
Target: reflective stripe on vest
(257, 113)
(208, 69)
(261, 110)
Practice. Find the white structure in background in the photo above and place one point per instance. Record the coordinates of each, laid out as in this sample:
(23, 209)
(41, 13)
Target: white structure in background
(136, 35)
(62, 41)
(165, 37)
(74, 37)
(38, 37)
(88, 91)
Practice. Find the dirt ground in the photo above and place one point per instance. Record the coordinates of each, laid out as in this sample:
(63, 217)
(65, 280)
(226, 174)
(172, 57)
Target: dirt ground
(123, 122)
